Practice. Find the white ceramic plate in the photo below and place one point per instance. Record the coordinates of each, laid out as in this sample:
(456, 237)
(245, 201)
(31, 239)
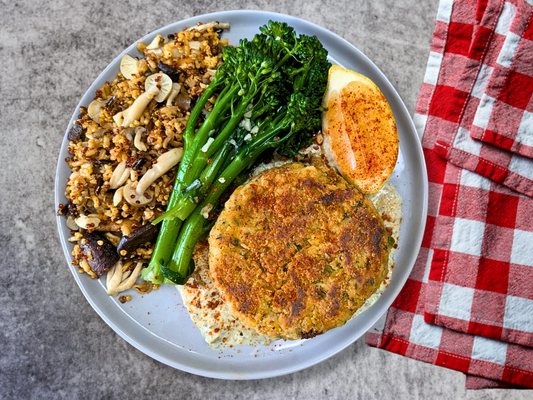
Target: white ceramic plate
(159, 325)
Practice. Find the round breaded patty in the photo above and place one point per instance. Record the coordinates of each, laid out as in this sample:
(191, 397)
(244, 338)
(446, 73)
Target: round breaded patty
(296, 251)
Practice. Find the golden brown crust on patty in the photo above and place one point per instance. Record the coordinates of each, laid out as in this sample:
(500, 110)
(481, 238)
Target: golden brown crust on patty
(296, 251)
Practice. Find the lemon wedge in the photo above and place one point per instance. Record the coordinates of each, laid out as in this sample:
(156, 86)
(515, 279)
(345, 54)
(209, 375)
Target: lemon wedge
(360, 131)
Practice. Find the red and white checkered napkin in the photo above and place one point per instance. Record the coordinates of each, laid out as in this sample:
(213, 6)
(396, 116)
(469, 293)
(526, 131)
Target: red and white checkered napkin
(474, 48)
(473, 280)
(504, 116)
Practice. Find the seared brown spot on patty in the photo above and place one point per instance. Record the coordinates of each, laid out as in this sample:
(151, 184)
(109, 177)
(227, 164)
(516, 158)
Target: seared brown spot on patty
(346, 240)
(311, 183)
(310, 334)
(242, 293)
(298, 300)
(336, 196)
(335, 306)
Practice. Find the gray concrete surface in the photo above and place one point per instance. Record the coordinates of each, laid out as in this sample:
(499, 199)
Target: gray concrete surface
(52, 343)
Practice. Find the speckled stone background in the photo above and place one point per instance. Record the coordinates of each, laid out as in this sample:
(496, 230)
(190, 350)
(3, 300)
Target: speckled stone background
(52, 343)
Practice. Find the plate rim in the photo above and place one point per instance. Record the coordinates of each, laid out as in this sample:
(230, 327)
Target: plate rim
(59, 195)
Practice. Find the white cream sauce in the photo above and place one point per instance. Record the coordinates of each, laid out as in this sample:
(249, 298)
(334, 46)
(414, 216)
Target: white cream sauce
(220, 329)
(208, 311)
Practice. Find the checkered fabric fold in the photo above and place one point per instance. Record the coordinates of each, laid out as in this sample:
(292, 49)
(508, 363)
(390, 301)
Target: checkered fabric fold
(468, 303)
(481, 260)
(473, 48)
(504, 116)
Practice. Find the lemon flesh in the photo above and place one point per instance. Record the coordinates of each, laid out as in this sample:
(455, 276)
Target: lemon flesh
(360, 129)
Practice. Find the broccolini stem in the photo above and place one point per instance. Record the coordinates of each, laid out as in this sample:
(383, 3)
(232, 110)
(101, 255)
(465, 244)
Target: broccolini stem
(193, 169)
(201, 158)
(192, 227)
(166, 240)
(186, 205)
(210, 90)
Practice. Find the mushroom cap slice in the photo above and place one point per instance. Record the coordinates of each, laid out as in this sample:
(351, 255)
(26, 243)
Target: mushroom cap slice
(71, 223)
(129, 66)
(135, 199)
(162, 82)
(87, 222)
(95, 108)
(156, 43)
(212, 24)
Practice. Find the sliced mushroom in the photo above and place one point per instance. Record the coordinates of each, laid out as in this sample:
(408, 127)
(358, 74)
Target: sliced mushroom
(138, 141)
(117, 197)
(176, 87)
(75, 132)
(114, 277)
(71, 223)
(137, 199)
(114, 239)
(145, 233)
(109, 226)
(120, 176)
(137, 165)
(164, 163)
(213, 24)
(162, 82)
(127, 117)
(128, 132)
(156, 53)
(194, 45)
(183, 101)
(156, 47)
(167, 69)
(103, 254)
(143, 288)
(118, 281)
(134, 176)
(95, 108)
(99, 133)
(129, 66)
(156, 42)
(86, 222)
